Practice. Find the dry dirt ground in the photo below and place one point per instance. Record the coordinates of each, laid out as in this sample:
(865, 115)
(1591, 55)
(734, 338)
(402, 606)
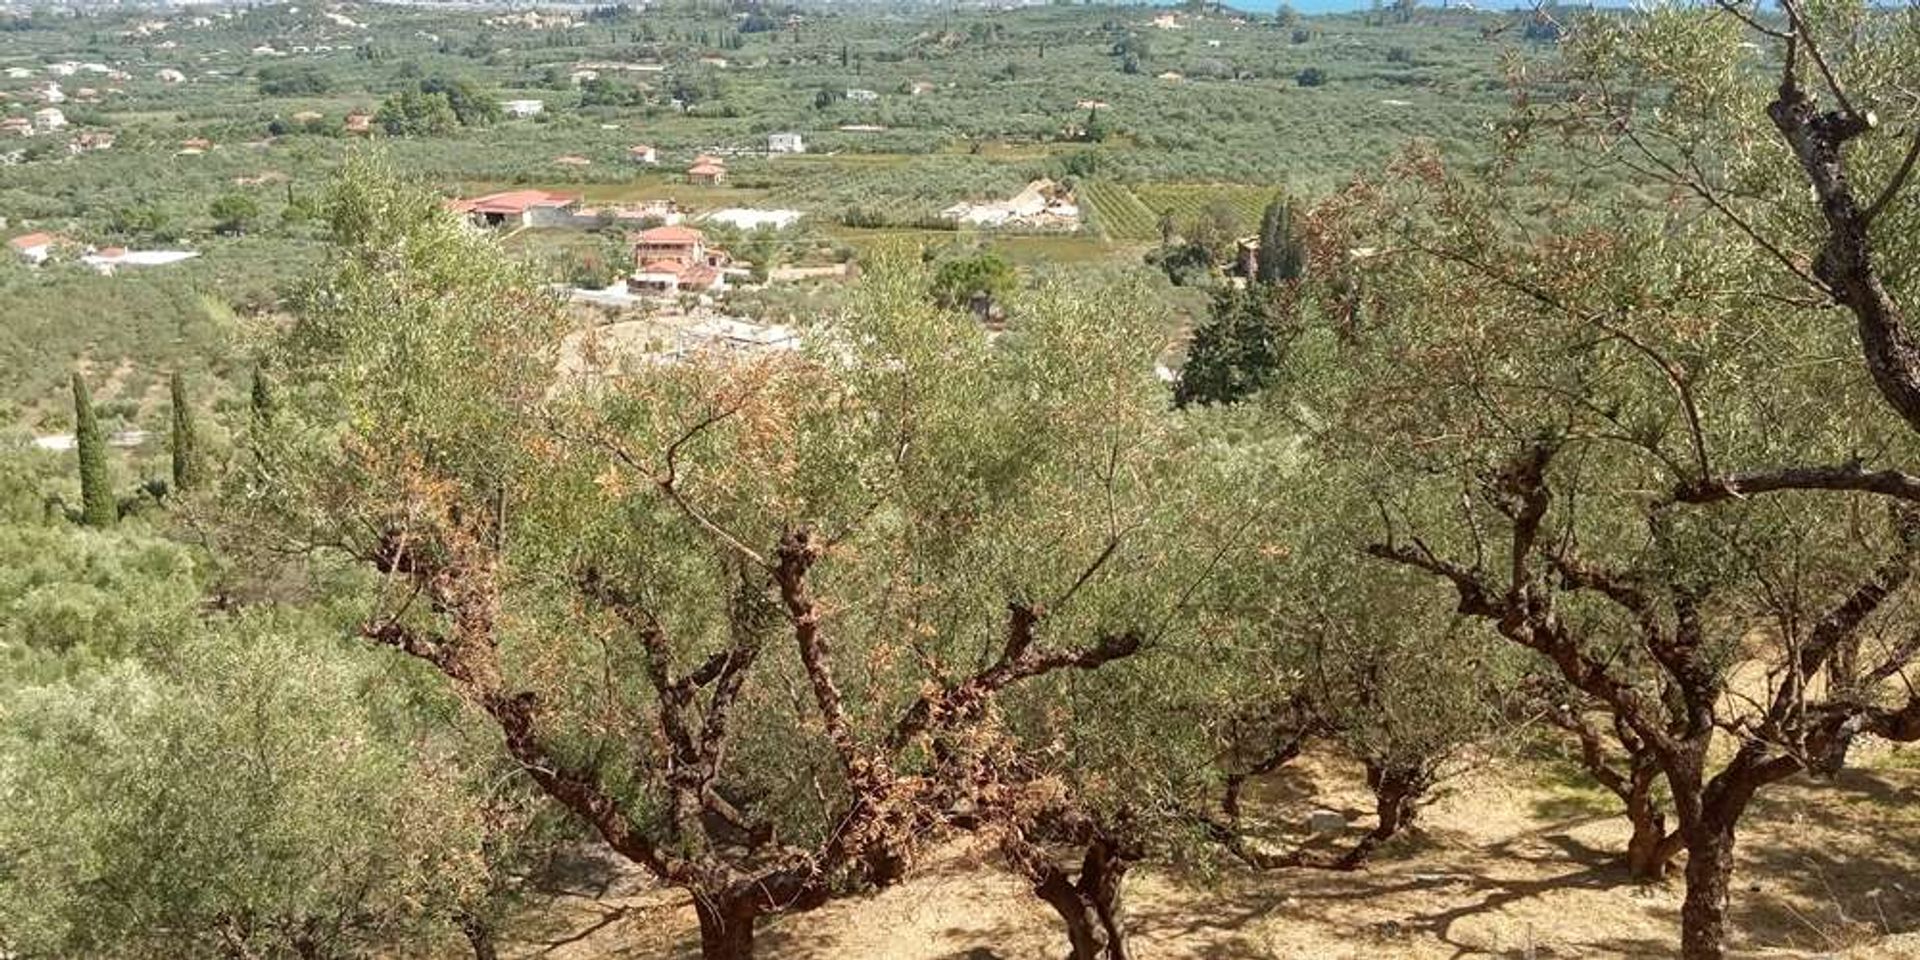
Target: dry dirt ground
(1509, 862)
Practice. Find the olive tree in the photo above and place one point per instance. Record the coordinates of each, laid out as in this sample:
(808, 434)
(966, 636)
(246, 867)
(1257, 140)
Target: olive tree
(1563, 422)
(243, 800)
(750, 618)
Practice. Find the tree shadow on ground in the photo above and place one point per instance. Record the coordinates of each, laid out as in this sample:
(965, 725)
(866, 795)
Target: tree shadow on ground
(1822, 868)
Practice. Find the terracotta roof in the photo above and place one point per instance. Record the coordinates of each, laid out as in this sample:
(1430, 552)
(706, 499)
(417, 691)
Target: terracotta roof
(670, 235)
(705, 170)
(28, 241)
(514, 201)
(709, 158)
(640, 148)
(699, 276)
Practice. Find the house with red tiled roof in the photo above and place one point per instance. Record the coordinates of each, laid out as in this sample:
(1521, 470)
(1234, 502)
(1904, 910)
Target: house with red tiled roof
(35, 248)
(642, 153)
(673, 260)
(707, 174)
(669, 243)
(517, 208)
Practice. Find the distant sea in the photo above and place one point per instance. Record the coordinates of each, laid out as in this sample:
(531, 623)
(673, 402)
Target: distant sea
(1357, 6)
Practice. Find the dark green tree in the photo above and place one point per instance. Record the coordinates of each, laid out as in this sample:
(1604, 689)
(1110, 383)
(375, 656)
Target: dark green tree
(234, 213)
(472, 105)
(1283, 255)
(187, 468)
(411, 113)
(977, 281)
(97, 507)
(1239, 349)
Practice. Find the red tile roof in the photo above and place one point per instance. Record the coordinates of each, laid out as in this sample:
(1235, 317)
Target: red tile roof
(706, 170)
(663, 236)
(513, 202)
(697, 276)
(28, 241)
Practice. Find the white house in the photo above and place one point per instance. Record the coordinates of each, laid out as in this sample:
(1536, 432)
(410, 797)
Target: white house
(521, 109)
(643, 153)
(18, 73)
(49, 92)
(170, 75)
(785, 143)
(49, 118)
(859, 95)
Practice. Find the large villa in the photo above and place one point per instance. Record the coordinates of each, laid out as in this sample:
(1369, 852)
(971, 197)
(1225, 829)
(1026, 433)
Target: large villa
(673, 260)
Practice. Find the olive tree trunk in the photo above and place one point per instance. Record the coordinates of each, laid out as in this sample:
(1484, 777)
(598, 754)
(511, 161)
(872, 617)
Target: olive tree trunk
(1091, 906)
(726, 927)
(1703, 915)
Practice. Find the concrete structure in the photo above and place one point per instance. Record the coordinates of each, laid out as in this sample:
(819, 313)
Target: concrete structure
(1042, 204)
(108, 259)
(745, 218)
(90, 141)
(49, 118)
(785, 143)
(722, 333)
(859, 95)
(522, 109)
(707, 174)
(643, 153)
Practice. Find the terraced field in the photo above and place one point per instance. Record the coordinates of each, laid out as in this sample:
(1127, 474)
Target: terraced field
(1133, 212)
(1187, 200)
(1117, 212)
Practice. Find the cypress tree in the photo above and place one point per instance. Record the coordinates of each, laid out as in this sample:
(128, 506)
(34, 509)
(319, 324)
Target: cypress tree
(1282, 255)
(186, 447)
(1237, 351)
(97, 507)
